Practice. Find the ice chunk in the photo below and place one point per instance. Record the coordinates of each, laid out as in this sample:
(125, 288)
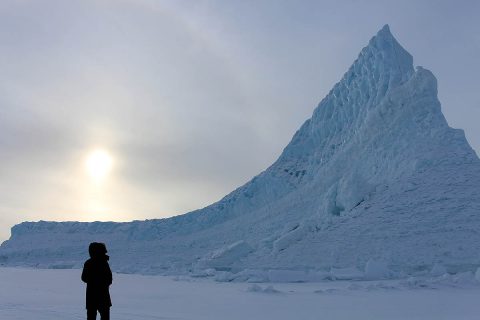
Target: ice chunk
(226, 256)
(377, 269)
(287, 276)
(349, 273)
(438, 270)
(258, 288)
(477, 274)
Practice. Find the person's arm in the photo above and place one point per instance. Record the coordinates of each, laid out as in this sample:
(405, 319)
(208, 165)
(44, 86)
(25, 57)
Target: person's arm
(109, 275)
(85, 273)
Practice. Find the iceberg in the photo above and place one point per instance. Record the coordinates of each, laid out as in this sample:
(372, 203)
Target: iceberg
(376, 174)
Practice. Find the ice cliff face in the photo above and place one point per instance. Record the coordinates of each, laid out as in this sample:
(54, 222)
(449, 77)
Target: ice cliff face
(375, 174)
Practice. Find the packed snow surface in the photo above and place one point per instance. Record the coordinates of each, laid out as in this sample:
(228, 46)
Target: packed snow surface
(374, 185)
(59, 294)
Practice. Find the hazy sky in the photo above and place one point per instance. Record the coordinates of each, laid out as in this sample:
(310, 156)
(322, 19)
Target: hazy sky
(190, 98)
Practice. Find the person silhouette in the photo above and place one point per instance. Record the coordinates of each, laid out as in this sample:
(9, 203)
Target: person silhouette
(98, 277)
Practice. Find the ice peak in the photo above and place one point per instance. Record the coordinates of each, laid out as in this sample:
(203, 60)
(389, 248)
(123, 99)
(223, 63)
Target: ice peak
(381, 68)
(385, 52)
(385, 32)
(384, 39)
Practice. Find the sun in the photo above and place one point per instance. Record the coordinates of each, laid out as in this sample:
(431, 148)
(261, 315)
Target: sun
(98, 164)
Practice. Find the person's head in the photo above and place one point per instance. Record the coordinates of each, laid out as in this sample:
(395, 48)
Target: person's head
(97, 249)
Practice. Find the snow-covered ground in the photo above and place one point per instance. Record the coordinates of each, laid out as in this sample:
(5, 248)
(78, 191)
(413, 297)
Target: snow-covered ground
(59, 294)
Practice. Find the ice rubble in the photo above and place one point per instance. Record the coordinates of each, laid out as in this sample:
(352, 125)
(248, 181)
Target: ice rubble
(375, 174)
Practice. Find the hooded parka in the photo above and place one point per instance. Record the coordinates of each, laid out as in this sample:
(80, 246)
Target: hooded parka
(98, 277)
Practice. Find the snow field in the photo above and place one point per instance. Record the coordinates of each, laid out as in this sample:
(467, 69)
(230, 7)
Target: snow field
(59, 294)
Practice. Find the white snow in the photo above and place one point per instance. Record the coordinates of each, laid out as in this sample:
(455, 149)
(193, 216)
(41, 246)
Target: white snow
(376, 174)
(59, 294)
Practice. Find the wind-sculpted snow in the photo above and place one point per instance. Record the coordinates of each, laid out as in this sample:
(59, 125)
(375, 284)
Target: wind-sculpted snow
(375, 180)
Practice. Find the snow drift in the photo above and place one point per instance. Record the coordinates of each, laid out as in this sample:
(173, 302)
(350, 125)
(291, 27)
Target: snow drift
(375, 180)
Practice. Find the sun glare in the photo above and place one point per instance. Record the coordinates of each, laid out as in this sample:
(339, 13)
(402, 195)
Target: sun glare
(98, 164)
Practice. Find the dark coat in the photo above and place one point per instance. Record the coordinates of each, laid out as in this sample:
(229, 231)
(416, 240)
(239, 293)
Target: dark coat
(98, 277)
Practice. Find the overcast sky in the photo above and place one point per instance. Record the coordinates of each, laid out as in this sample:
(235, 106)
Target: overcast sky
(190, 98)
